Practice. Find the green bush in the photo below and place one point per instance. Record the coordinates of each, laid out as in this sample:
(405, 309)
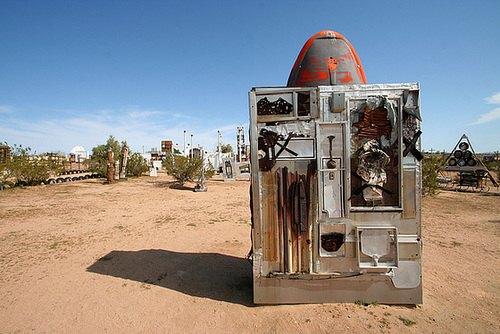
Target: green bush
(99, 158)
(27, 169)
(227, 148)
(494, 168)
(430, 171)
(136, 164)
(184, 169)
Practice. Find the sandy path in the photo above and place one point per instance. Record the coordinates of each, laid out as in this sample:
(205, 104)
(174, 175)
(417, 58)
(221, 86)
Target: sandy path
(141, 256)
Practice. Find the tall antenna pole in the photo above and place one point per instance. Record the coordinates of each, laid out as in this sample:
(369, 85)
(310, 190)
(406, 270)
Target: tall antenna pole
(191, 153)
(184, 153)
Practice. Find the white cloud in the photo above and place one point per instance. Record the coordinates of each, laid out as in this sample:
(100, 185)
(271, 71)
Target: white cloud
(6, 109)
(493, 99)
(488, 117)
(492, 115)
(141, 128)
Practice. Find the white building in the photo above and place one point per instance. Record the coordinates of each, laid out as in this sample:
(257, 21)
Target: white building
(78, 154)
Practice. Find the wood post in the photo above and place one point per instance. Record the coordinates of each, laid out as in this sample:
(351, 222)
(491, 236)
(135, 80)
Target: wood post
(111, 167)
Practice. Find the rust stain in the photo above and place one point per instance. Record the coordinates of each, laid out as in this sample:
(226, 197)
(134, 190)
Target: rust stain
(332, 63)
(347, 78)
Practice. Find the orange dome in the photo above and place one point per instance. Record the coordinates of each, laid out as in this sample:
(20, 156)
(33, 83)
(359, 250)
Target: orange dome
(327, 58)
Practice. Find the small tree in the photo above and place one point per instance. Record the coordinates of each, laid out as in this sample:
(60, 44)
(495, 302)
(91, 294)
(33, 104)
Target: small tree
(136, 164)
(182, 168)
(227, 148)
(430, 171)
(27, 169)
(99, 157)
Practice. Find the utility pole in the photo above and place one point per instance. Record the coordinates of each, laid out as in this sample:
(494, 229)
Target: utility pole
(184, 153)
(191, 153)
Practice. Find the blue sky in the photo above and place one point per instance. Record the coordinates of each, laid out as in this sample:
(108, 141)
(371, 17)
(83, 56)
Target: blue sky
(74, 72)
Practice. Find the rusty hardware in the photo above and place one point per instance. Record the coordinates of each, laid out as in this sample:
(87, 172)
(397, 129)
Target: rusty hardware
(278, 107)
(410, 146)
(267, 142)
(331, 242)
(375, 124)
(331, 164)
(292, 204)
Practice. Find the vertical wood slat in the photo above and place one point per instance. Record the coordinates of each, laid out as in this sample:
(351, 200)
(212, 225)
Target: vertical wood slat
(269, 214)
(279, 182)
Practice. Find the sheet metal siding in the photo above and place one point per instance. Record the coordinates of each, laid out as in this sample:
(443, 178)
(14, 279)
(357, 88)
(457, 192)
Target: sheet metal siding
(282, 251)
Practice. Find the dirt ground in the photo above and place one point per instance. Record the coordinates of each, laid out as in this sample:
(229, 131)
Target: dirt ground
(144, 256)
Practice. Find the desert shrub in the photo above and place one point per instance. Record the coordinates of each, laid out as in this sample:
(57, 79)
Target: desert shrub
(494, 168)
(184, 169)
(99, 158)
(136, 164)
(209, 171)
(430, 170)
(26, 168)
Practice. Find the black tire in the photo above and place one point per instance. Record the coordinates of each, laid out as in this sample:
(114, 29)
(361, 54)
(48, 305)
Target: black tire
(463, 146)
(462, 162)
(458, 154)
(452, 161)
(467, 154)
(471, 162)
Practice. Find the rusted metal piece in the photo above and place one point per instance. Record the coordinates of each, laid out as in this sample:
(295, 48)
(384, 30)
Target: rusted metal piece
(331, 242)
(278, 107)
(331, 163)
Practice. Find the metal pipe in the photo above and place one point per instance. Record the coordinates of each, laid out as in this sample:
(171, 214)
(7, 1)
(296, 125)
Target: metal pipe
(184, 153)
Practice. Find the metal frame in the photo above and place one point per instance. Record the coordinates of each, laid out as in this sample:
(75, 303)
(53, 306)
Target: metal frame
(339, 275)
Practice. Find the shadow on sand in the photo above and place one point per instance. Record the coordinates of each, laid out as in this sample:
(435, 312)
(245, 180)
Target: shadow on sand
(171, 185)
(209, 275)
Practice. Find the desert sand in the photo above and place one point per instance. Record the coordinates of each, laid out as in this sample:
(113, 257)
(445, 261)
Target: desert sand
(148, 256)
